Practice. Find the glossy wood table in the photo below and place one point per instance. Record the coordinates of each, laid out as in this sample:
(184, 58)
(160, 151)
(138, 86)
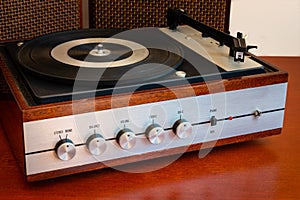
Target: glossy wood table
(266, 168)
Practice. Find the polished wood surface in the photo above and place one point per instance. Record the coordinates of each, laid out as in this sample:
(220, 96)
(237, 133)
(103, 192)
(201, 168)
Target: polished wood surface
(261, 169)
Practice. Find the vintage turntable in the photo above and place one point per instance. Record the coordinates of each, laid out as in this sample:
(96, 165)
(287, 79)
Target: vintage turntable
(90, 99)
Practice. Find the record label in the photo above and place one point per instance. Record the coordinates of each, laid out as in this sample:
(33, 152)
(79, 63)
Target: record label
(139, 53)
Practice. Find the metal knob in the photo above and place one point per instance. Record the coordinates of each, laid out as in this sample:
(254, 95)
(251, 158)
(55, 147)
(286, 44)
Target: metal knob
(126, 138)
(155, 133)
(182, 128)
(65, 149)
(96, 144)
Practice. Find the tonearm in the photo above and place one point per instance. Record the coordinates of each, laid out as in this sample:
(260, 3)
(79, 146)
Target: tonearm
(237, 45)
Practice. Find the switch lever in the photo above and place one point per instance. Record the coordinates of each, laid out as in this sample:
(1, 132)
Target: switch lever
(213, 121)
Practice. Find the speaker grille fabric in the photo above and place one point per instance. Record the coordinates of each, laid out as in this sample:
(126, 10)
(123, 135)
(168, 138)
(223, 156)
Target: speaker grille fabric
(152, 13)
(31, 18)
(21, 20)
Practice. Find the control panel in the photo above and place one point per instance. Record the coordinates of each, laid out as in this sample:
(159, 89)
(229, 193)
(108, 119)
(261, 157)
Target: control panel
(105, 135)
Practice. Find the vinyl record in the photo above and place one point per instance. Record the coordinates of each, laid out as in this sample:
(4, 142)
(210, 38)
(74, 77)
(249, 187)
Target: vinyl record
(91, 55)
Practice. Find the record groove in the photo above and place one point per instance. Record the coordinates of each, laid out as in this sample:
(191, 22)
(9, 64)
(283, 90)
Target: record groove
(37, 57)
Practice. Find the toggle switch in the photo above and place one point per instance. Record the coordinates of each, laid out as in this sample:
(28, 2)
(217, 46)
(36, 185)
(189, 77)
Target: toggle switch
(213, 121)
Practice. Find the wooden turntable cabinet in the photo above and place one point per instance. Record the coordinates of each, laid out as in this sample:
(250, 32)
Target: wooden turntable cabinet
(235, 97)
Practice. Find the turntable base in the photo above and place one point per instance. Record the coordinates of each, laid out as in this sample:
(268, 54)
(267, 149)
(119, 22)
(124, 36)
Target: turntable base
(23, 116)
(175, 115)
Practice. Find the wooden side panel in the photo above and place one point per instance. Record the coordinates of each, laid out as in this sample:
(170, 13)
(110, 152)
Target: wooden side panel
(12, 123)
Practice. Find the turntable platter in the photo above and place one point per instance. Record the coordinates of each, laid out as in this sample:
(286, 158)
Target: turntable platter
(105, 52)
(99, 55)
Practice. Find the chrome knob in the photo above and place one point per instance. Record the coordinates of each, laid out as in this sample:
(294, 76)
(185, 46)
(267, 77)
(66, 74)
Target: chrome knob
(126, 138)
(65, 149)
(96, 144)
(182, 128)
(155, 133)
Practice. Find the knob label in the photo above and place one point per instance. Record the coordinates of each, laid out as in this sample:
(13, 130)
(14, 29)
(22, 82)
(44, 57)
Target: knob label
(94, 126)
(58, 132)
(213, 110)
(153, 116)
(69, 130)
(124, 121)
(180, 112)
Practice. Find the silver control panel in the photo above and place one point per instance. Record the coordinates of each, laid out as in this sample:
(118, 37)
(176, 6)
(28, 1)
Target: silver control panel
(100, 136)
